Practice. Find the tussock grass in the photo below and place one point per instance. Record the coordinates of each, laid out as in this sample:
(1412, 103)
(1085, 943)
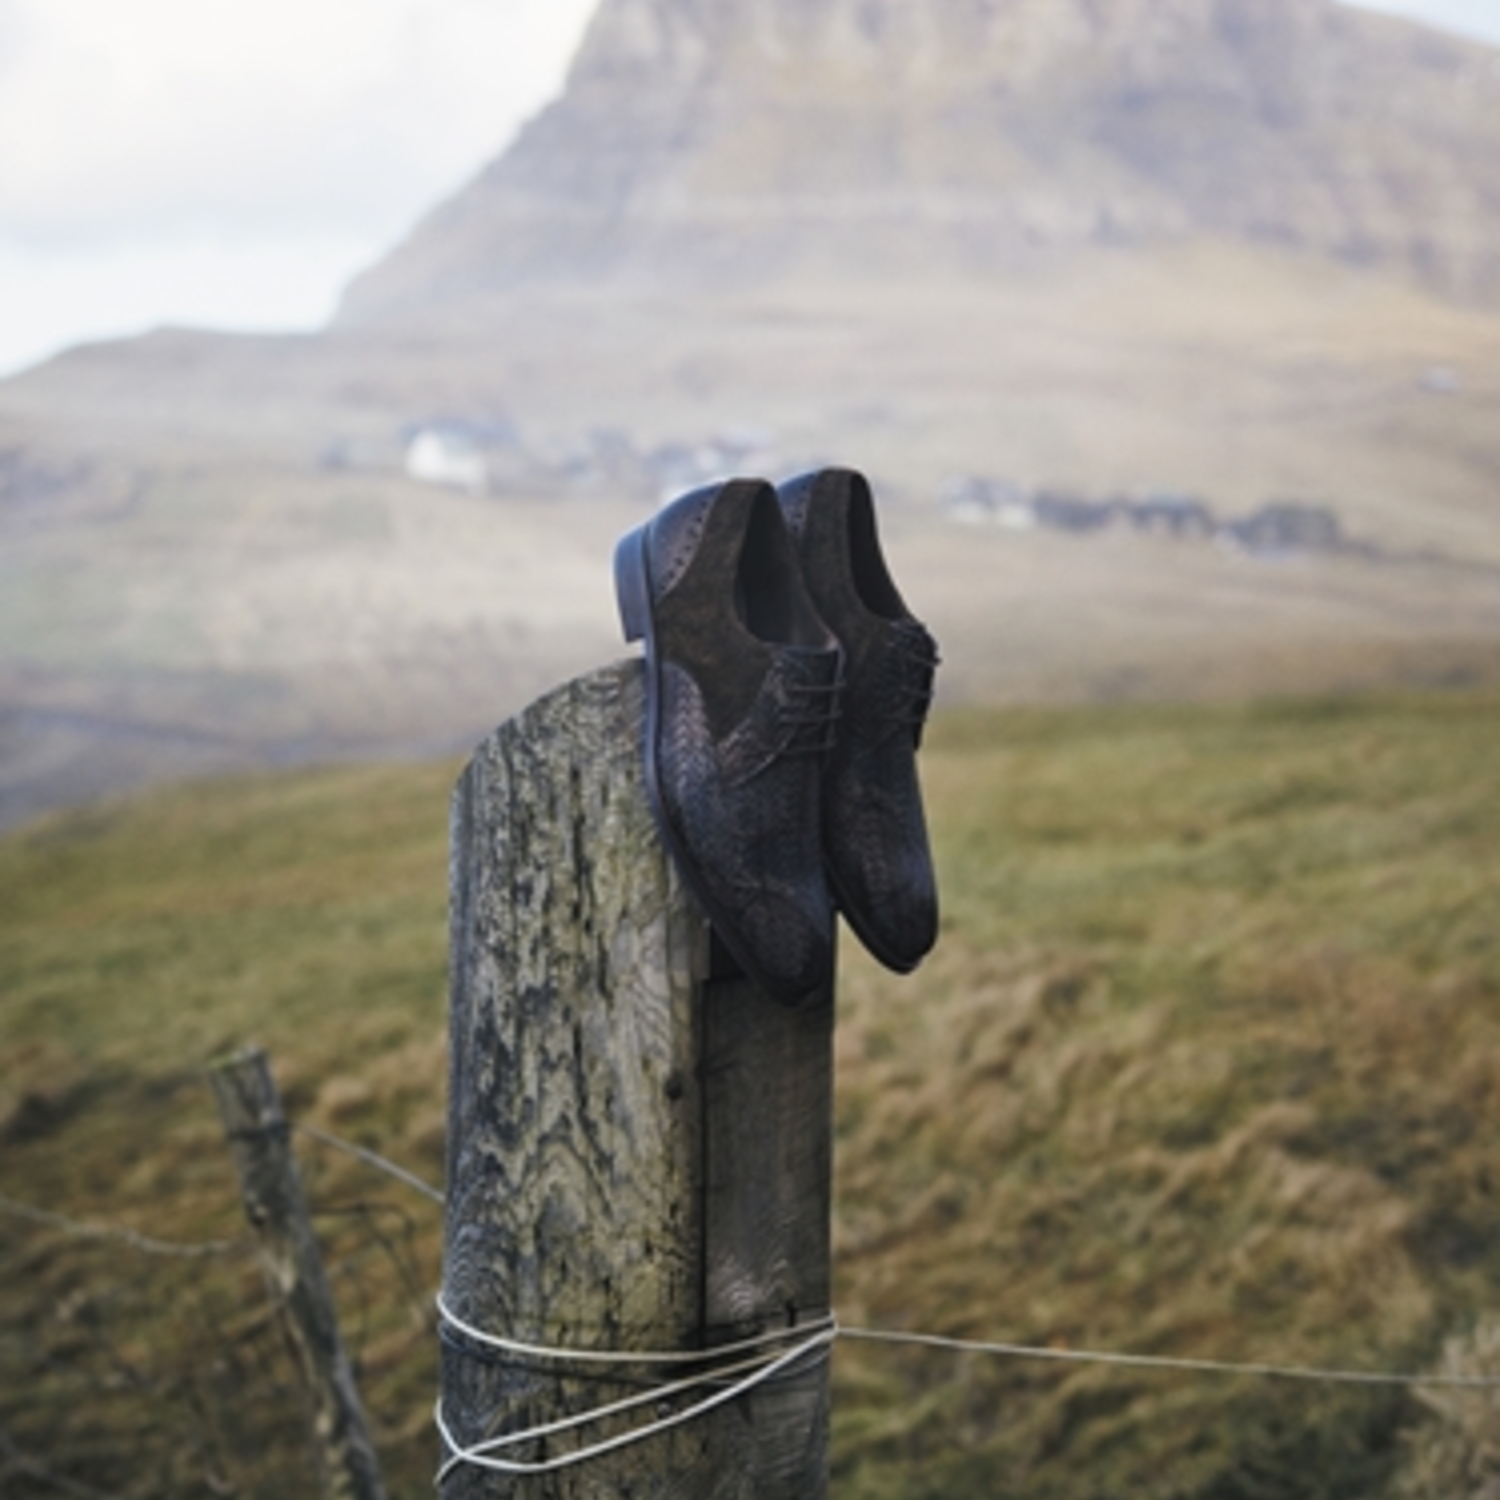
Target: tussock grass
(138, 941)
(1205, 1064)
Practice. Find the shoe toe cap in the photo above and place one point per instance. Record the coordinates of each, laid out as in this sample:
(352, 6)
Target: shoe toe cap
(792, 943)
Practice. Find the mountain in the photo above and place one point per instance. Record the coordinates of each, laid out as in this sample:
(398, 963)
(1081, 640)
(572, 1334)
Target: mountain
(1143, 262)
(740, 140)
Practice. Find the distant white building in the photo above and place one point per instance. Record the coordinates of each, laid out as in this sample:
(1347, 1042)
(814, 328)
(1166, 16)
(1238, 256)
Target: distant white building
(1015, 515)
(989, 502)
(447, 455)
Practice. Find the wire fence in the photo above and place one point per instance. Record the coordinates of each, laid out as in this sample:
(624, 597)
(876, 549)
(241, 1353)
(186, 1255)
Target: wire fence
(137, 1372)
(205, 1250)
(139, 1363)
(144, 1365)
(1003, 1350)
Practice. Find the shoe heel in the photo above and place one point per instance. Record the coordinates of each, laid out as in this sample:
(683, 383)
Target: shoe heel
(632, 591)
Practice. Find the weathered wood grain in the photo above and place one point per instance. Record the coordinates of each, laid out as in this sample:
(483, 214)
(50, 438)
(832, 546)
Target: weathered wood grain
(254, 1122)
(768, 1165)
(603, 1108)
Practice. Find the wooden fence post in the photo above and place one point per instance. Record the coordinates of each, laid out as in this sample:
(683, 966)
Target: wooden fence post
(639, 1155)
(257, 1129)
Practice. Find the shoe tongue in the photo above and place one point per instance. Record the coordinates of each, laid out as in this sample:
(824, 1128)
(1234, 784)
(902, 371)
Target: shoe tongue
(810, 664)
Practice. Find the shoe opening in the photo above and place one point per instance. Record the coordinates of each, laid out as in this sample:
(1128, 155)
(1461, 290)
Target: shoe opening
(769, 594)
(872, 579)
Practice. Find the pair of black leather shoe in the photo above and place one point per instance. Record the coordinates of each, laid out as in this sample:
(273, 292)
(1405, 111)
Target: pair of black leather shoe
(786, 689)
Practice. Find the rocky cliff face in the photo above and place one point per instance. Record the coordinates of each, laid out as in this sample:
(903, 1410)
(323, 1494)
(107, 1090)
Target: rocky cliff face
(732, 138)
(715, 139)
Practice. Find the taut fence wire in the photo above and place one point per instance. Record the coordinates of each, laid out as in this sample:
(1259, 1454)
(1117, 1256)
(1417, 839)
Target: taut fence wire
(893, 1337)
(135, 1365)
(203, 1250)
(96, 1348)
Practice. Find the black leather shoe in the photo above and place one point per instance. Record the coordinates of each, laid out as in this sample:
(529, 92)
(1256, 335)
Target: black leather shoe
(874, 831)
(742, 689)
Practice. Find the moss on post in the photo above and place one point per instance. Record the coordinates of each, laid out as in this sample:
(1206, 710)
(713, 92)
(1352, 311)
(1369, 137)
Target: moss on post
(638, 1156)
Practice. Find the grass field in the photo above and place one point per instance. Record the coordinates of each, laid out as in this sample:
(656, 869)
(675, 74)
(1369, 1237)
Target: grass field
(1203, 1066)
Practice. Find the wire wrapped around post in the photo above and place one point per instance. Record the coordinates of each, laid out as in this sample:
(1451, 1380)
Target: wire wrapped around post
(639, 1152)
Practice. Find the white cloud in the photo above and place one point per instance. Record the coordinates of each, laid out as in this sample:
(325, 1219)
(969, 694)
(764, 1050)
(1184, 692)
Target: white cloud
(1479, 18)
(146, 116)
(68, 295)
(235, 161)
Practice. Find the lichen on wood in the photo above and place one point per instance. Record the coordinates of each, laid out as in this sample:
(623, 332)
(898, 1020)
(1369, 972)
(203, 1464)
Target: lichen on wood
(608, 1103)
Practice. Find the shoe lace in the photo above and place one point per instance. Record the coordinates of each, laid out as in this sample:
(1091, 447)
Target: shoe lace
(907, 695)
(810, 714)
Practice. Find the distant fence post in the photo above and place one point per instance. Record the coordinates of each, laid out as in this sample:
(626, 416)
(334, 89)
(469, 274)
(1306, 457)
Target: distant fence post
(639, 1155)
(256, 1127)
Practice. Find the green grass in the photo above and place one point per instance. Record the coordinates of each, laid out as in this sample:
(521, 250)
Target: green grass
(1207, 1063)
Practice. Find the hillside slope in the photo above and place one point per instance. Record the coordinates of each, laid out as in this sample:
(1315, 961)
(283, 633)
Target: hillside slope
(1203, 1066)
(1110, 250)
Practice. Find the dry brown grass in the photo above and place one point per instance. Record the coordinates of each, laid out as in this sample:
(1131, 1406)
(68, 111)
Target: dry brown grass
(1202, 1067)
(1206, 1064)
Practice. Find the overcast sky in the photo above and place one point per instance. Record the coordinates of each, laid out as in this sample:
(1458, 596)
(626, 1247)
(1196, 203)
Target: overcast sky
(232, 163)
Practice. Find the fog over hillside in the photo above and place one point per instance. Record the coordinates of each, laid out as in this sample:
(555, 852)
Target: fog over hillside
(1168, 331)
